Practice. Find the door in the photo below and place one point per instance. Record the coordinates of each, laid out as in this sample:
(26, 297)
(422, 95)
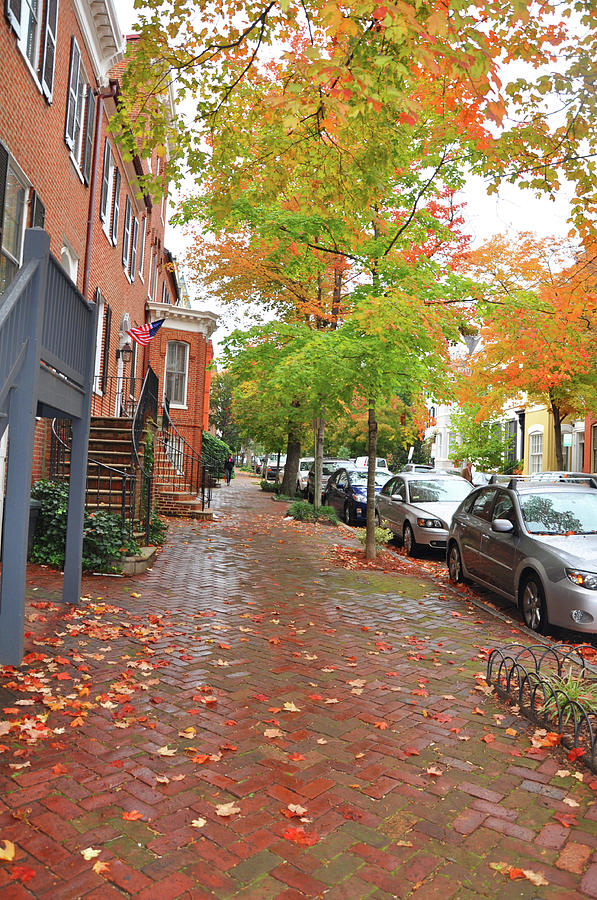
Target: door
(395, 506)
(499, 552)
(476, 524)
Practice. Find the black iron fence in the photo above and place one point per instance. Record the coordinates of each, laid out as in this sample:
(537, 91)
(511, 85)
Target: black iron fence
(145, 411)
(552, 687)
(185, 469)
(115, 395)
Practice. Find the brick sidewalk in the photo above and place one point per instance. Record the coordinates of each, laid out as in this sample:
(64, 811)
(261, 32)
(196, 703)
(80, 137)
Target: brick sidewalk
(246, 672)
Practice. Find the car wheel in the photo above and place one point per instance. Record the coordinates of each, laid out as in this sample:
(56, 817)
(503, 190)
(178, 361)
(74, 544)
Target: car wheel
(532, 604)
(347, 515)
(408, 541)
(455, 564)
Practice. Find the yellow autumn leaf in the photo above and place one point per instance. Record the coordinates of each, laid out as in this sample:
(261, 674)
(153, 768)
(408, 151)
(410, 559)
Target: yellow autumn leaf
(166, 751)
(90, 853)
(198, 823)
(8, 851)
(100, 867)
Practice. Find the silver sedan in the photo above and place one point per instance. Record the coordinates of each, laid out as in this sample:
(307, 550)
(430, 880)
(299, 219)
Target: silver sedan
(418, 507)
(534, 543)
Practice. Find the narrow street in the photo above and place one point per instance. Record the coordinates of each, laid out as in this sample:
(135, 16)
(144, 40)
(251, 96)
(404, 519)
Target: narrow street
(249, 720)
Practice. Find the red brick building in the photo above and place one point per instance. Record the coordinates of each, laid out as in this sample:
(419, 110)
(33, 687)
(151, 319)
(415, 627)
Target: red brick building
(61, 169)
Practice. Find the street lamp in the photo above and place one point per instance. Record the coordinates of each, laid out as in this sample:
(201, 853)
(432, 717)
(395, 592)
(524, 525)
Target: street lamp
(125, 354)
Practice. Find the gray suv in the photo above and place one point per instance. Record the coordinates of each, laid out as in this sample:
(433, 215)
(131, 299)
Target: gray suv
(534, 543)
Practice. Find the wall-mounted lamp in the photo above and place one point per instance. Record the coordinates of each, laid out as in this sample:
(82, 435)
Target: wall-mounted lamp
(125, 354)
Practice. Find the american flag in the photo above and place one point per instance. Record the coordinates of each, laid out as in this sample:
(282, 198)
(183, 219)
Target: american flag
(146, 332)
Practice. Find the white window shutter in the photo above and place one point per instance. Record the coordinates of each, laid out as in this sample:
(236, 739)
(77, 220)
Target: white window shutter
(49, 48)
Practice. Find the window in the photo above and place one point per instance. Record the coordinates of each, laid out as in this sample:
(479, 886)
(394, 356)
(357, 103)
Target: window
(154, 270)
(177, 355)
(482, 503)
(134, 242)
(105, 211)
(69, 261)
(536, 452)
(34, 24)
(399, 490)
(142, 249)
(342, 480)
(80, 114)
(504, 508)
(126, 234)
(165, 297)
(14, 193)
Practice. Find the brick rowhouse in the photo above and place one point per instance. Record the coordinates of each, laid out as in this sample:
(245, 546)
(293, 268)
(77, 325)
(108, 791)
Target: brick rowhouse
(61, 169)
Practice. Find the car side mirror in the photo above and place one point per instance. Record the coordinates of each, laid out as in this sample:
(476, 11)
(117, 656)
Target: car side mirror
(502, 526)
(396, 498)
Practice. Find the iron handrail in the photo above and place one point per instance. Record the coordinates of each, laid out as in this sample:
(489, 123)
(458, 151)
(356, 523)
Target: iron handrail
(128, 478)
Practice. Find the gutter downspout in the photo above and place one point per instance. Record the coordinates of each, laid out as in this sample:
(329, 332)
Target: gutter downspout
(93, 187)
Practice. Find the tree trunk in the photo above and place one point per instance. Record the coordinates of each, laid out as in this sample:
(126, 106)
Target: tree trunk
(370, 545)
(557, 433)
(319, 427)
(293, 454)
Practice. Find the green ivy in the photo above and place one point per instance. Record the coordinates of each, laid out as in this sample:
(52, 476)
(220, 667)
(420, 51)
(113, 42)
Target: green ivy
(157, 529)
(105, 538)
(216, 449)
(305, 512)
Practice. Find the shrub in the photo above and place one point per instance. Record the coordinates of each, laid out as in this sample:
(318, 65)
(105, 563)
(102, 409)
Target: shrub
(217, 450)
(382, 536)
(305, 512)
(270, 487)
(105, 538)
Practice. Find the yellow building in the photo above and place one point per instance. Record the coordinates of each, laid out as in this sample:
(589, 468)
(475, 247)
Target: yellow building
(539, 442)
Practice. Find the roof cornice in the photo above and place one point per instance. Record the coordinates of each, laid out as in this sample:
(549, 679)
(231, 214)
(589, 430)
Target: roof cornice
(102, 34)
(180, 317)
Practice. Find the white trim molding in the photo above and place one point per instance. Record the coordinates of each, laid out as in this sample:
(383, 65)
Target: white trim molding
(102, 34)
(183, 319)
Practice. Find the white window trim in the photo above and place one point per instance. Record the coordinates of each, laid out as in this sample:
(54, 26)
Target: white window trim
(186, 375)
(12, 164)
(535, 457)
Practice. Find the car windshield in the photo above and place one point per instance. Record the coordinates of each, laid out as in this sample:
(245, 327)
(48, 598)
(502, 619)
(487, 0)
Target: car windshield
(360, 478)
(437, 490)
(305, 465)
(328, 468)
(560, 513)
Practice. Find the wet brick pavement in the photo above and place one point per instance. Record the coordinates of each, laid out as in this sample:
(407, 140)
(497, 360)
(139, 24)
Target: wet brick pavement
(337, 711)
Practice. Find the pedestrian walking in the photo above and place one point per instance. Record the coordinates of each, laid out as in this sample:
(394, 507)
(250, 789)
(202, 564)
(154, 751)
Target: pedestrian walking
(467, 471)
(229, 468)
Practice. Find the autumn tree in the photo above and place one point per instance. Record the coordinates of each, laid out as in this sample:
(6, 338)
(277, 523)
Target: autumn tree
(220, 416)
(333, 66)
(539, 329)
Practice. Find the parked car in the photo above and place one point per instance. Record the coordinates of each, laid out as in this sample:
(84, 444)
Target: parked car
(330, 464)
(362, 462)
(302, 477)
(346, 492)
(418, 507)
(535, 543)
(272, 467)
(560, 476)
(417, 467)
